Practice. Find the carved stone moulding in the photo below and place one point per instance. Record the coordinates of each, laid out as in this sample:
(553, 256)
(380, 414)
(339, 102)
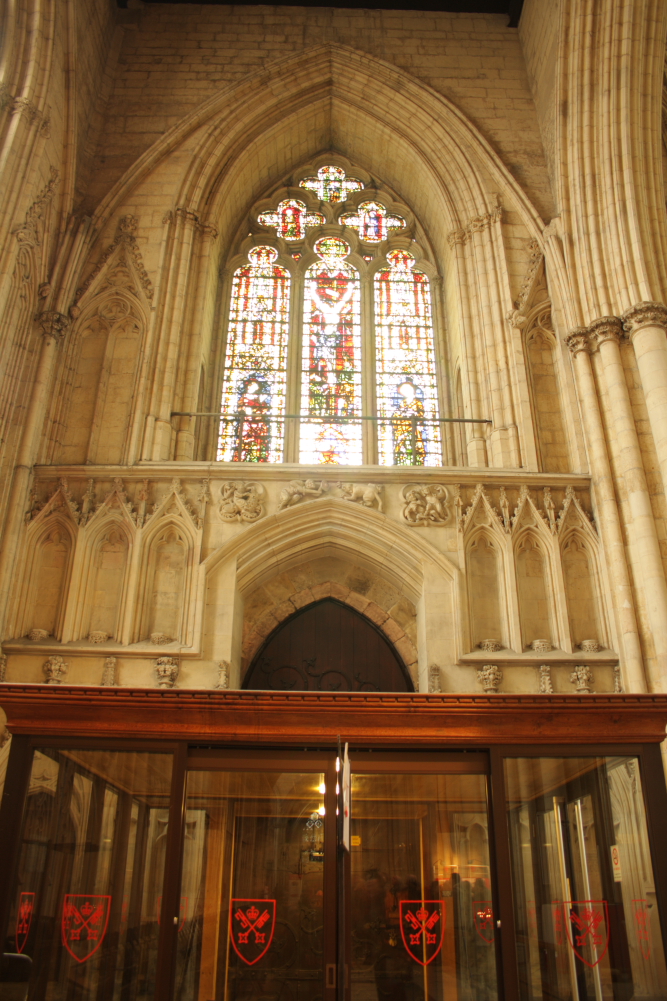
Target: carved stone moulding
(490, 678)
(541, 646)
(38, 634)
(166, 672)
(109, 679)
(424, 504)
(590, 646)
(490, 645)
(55, 670)
(97, 636)
(582, 679)
(434, 680)
(222, 681)
(159, 639)
(546, 686)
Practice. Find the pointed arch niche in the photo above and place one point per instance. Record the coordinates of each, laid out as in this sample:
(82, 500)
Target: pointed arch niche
(107, 581)
(328, 647)
(582, 590)
(168, 565)
(95, 401)
(51, 545)
(535, 591)
(486, 590)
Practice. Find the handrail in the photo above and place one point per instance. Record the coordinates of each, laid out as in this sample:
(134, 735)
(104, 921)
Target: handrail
(334, 419)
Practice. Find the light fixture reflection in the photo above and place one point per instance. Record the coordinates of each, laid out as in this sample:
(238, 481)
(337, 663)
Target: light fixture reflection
(322, 788)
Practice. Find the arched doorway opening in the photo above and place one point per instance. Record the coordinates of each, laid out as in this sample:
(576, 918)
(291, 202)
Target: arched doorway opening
(327, 647)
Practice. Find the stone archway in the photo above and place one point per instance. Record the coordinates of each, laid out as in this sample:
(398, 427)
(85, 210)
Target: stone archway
(257, 630)
(327, 646)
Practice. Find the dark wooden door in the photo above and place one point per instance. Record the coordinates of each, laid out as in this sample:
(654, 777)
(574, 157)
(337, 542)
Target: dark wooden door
(328, 647)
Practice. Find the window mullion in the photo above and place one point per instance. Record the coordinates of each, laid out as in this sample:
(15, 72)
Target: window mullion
(368, 388)
(293, 396)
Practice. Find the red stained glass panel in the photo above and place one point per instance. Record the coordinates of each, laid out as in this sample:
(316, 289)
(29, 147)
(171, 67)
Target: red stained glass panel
(253, 392)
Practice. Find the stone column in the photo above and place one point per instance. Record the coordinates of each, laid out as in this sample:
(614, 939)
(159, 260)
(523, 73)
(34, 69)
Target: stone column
(54, 326)
(645, 325)
(609, 520)
(605, 334)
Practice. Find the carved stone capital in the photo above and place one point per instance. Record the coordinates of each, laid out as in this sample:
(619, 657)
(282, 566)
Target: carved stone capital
(606, 328)
(577, 340)
(186, 215)
(53, 324)
(644, 314)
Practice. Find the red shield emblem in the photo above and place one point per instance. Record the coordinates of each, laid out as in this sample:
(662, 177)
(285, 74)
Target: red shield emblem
(251, 926)
(422, 928)
(24, 919)
(643, 926)
(84, 923)
(483, 914)
(587, 927)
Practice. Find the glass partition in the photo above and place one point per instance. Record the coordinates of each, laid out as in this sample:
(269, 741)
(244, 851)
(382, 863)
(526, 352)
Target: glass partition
(252, 891)
(586, 917)
(422, 917)
(84, 916)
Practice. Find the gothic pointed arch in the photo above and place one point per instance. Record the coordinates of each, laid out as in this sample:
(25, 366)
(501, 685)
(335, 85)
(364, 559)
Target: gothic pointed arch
(98, 380)
(50, 543)
(329, 647)
(323, 85)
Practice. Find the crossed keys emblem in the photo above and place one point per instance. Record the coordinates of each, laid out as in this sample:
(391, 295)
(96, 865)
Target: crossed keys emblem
(24, 919)
(252, 924)
(84, 923)
(422, 928)
(587, 925)
(482, 911)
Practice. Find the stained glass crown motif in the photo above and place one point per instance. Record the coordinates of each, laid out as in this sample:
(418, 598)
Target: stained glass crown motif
(290, 219)
(332, 249)
(372, 222)
(331, 184)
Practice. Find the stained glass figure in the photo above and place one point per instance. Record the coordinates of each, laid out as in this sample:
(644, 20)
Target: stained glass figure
(331, 365)
(406, 378)
(372, 222)
(290, 219)
(331, 184)
(253, 391)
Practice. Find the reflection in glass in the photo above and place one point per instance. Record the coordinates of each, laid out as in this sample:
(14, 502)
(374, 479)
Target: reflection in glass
(421, 910)
(83, 922)
(586, 914)
(253, 880)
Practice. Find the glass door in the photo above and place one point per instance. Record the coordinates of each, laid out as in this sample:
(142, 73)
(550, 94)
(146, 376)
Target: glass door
(258, 879)
(586, 915)
(262, 906)
(421, 910)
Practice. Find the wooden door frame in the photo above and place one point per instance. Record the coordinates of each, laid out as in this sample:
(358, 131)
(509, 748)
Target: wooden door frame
(421, 730)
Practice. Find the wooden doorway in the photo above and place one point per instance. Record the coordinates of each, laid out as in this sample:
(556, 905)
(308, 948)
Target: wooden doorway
(328, 647)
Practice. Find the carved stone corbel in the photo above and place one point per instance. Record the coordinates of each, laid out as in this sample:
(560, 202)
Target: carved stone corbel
(54, 325)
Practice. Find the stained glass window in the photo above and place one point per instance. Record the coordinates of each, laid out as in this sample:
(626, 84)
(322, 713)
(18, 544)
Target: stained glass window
(290, 219)
(331, 184)
(372, 222)
(407, 394)
(331, 365)
(253, 392)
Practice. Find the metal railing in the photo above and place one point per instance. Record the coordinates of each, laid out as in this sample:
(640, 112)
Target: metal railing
(415, 422)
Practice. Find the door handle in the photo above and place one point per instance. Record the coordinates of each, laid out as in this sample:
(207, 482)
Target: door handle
(330, 976)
